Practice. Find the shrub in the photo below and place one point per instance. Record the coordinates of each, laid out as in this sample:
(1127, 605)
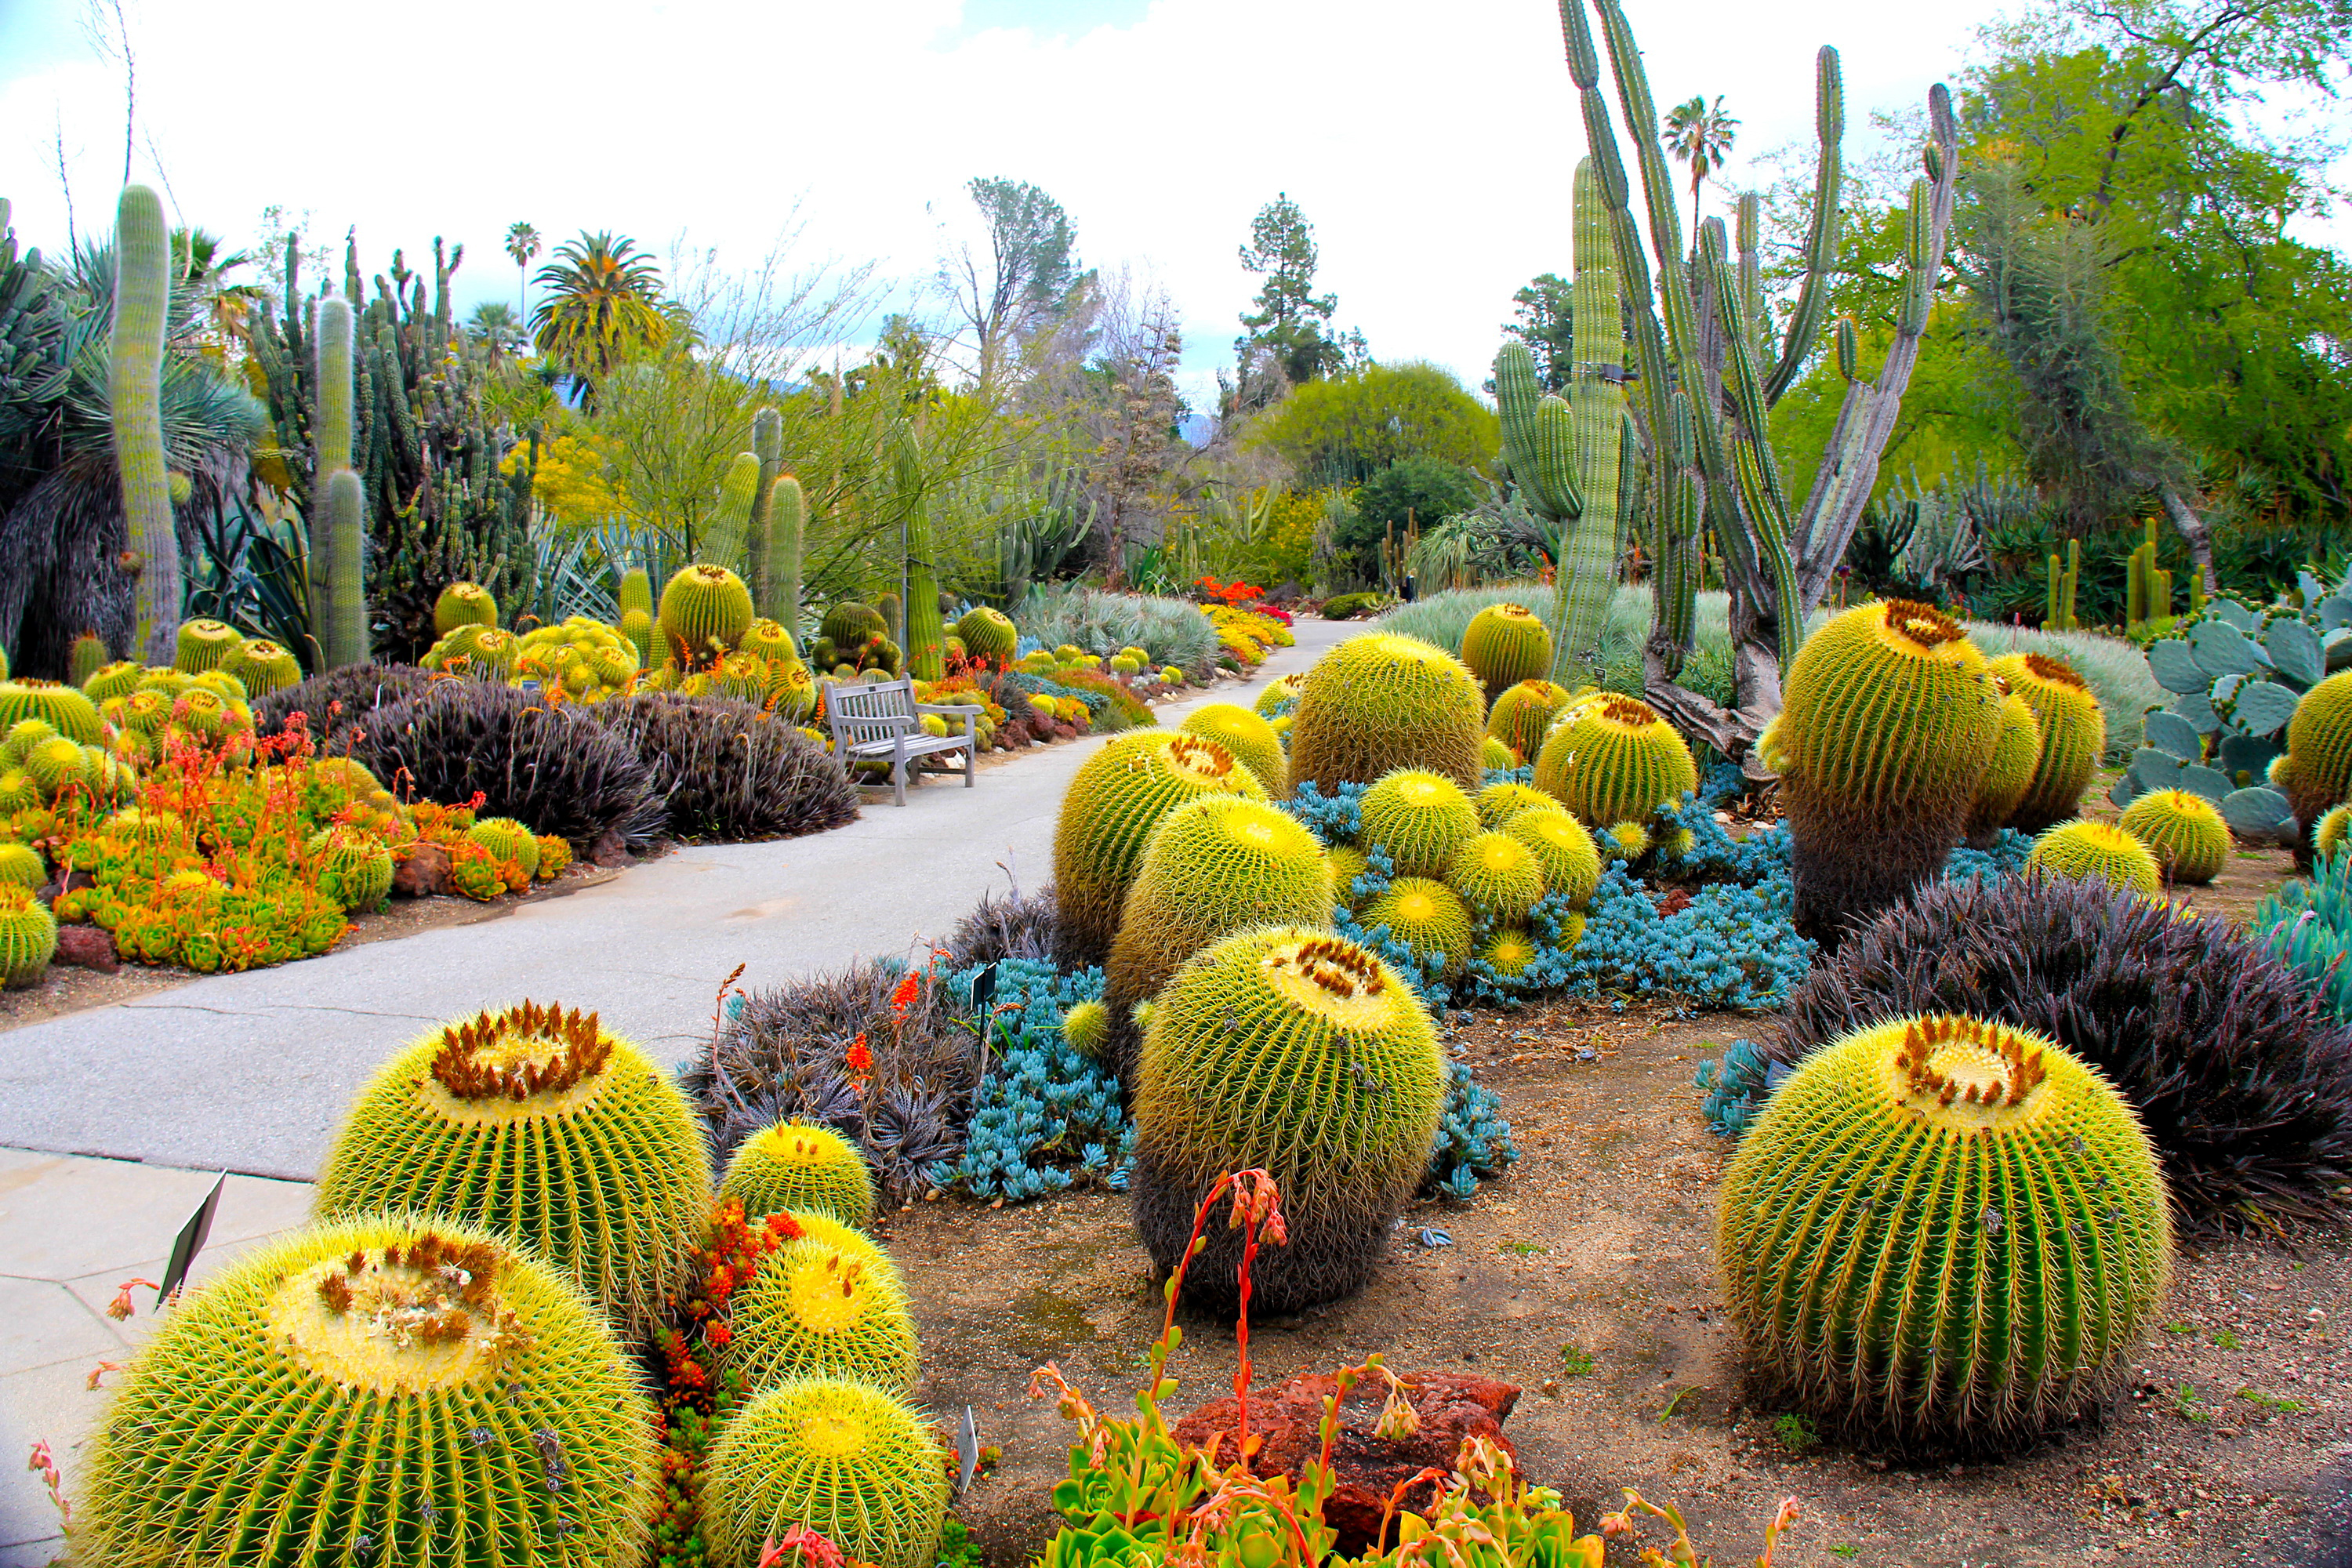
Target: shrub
(361, 689)
(2242, 1080)
(1173, 631)
(727, 771)
(557, 770)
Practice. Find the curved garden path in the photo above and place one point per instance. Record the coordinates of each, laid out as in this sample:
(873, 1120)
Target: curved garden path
(250, 1072)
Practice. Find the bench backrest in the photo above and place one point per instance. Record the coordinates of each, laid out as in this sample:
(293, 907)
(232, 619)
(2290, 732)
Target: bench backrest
(859, 713)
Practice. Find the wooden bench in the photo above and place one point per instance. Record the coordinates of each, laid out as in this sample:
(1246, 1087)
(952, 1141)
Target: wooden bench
(871, 723)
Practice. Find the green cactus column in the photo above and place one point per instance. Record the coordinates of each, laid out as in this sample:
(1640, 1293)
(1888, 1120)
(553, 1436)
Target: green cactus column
(338, 610)
(787, 517)
(926, 641)
(134, 386)
(1587, 568)
(767, 446)
(722, 541)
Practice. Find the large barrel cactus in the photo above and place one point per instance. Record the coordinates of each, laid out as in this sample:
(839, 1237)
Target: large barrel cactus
(1523, 713)
(2184, 831)
(1108, 815)
(988, 635)
(1251, 739)
(2074, 736)
(536, 1124)
(1944, 1231)
(852, 1463)
(1300, 1053)
(2317, 772)
(1889, 722)
(385, 1390)
(1379, 703)
(1214, 866)
(705, 611)
(2016, 753)
(1505, 645)
(1611, 759)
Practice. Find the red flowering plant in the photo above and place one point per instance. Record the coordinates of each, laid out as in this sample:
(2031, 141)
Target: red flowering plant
(1135, 1493)
(697, 1400)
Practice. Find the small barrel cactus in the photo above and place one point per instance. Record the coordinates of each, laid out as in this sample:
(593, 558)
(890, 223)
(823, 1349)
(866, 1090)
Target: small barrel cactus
(2328, 836)
(1420, 817)
(1085, 1027)
(2317, 772)
(2085, 850)
(383, 1391)
(202, 644)
(1493, 753)
(1498, 802)
(464, 604)
(21, 866)
(1944, 1230)
(1427, 917)
(64, 709)
(1505, 645)
(2015, 756)
(620, 1183)
(2183, 831)
(1497, 876)
(817, 1310)
(354, 869)
(1510, 952)
(801, 1167)
(508, 839)
(1569, 859)
(28, 935)
(1523, 713)
(853, 1463)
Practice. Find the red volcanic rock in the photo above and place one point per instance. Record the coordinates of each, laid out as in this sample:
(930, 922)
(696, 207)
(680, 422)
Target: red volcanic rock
(1288, 1419)
(423, 874)
(87, 947)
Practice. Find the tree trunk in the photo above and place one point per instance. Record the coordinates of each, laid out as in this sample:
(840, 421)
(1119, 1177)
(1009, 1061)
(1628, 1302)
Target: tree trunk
(2193, 528)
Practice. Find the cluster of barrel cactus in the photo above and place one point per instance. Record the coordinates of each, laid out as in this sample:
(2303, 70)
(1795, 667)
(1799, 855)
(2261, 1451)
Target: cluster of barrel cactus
(469, 1347)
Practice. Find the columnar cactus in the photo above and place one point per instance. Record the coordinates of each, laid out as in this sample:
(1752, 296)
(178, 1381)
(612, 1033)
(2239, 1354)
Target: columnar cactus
(339, 612)
(730, 520)
(134, 384)
(767, 446)
(787, 517)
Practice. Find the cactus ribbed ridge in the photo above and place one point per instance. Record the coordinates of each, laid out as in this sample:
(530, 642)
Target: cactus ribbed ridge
(2183, 831)
(280, 1408)
(1303, 1054)
(816, 1310)
(2085, 851)
(2016, 753)
(1251, 739)
(1497, 876)
(2074, 736)
(1427, 917)
(1523, 713)
(1420, 817)
(134, 386)
(1944, 1230)
(1505, 645)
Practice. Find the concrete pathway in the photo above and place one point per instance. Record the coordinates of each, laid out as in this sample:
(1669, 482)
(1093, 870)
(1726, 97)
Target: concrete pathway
(113, 1121)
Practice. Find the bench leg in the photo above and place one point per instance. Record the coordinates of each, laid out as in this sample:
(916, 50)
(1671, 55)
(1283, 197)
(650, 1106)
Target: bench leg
(898, 771)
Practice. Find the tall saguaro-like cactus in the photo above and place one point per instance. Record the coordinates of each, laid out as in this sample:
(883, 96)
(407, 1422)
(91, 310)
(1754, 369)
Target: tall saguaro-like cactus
(1567, 455)
(134, 386)
(787, 514)
(338, 521)
(767, 446)
(1703, 357)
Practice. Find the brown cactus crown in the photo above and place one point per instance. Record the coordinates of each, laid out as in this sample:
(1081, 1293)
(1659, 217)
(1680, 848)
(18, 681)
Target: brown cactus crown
(524, 1051)
(1946, 1059)
(1630, 711)
(2055, 671)
(1200, 756)
(1922, 624)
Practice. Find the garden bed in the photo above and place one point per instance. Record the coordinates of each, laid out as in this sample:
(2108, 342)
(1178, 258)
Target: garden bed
(1600, 1242)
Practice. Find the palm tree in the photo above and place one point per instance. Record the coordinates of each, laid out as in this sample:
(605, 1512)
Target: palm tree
(497, 326)
(1701, 137)
(602, 299)
(522, 244)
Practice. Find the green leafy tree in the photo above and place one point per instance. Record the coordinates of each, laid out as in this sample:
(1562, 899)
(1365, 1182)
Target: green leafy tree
(603, 301)
(1543, 317)
(1345, 429)
(1020, 280)
(1700, 137)
(1417, 491)
(1288, 326)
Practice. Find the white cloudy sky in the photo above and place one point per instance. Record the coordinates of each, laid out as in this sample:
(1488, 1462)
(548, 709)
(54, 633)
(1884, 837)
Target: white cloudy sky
(1430, 143)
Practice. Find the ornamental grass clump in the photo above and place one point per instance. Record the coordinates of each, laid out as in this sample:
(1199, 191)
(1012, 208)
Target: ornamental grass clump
(728, 771)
